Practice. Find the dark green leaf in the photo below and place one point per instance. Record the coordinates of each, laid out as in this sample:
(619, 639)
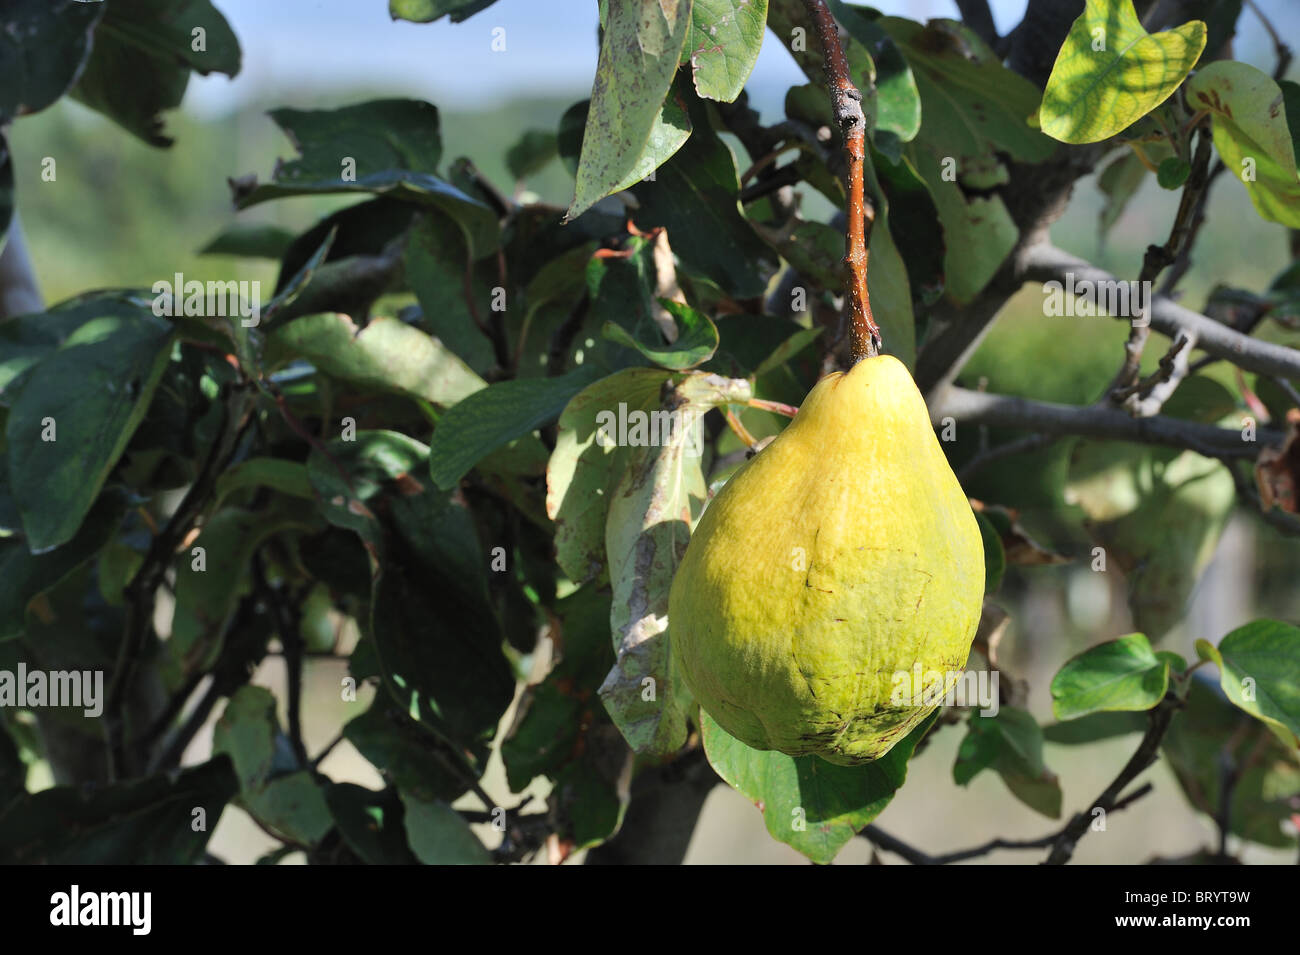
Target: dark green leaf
(1173, 172)
(142, 821)
(250, 240)
(497, 415)
(143, 53)
(695, 196)
(371, 823)
(696, 341)
(530, 153)
(24, 576)
(995, 558)
(440, 837)
(74, 416)
(43, 47)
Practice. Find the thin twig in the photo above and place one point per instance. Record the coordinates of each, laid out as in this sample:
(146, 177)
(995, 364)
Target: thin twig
(286, 624)
(1098, 421)
(1032, 442)
(1159, 719)
(1044, 262)
(892, 844)
(1156, 259)
(1280, 48)
(140, 591)
(846, 104)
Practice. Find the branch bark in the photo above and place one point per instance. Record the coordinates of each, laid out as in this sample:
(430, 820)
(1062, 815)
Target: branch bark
(1097, 421)
(1044, 262)
(846, 104)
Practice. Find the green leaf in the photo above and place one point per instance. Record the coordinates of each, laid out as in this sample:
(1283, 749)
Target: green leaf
(426, 11)
(1173, 172)
(1157, 513)
(73, 419)
(1259, 670)
(404, 751)
(436, 263)
(440, 837)
(385, 355)
(371, 823)
(496, 416)
(1250, 117)
(1123, 674)
(534, 149)
(26, 339)
(584, 467)
(143, 54)
(694, 195)
(629, 130)
(995, 558)
(814, 806)
(888, 284)
(435, 631)
(1011, 743)
(208, 589)
(1095, 726)
(975, 109)
(279, 474)
(1209, 735)
(260, 240)
(696, 341)
(289, 802)
(651, 512)
(146, 821)
(970, 101)
(350, 479)
(385, 147)
(24, 576)
(978, 230)
(43, 47)
(722, 45)
(979, 749)
(561, 718)
(1110, 72)
(377, 135)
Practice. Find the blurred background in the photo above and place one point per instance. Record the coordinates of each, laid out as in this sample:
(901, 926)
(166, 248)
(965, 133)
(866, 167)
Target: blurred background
(123, 214)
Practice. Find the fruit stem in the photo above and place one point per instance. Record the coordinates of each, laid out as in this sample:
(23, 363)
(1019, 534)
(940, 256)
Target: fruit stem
(846, 102)
(776, 407)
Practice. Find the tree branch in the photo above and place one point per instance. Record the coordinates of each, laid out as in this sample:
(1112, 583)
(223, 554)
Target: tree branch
(976, 15)
(1046, 263)
(1097, 421)
(915, 856)
(1156, 259)
(1159, 719)
(846, 104)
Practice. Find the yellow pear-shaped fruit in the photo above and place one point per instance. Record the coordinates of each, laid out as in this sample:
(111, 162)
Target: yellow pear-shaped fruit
(833, 573)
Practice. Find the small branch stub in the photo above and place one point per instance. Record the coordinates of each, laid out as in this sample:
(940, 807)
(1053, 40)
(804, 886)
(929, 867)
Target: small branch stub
(846, 103)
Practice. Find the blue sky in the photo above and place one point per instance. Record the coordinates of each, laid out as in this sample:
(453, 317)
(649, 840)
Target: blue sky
(315, 47)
